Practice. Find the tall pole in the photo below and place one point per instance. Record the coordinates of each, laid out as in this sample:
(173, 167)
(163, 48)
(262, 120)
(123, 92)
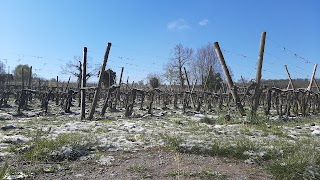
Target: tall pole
(189, 87)
(229, 79)
(57, 83)
(260, 58)
(22, 77)
(67, 84)
(290, 80)
(30, 77)
(57, 91)
(312, 77)
(96, 95)
(118, 90)
(83, 84)
(258, 75)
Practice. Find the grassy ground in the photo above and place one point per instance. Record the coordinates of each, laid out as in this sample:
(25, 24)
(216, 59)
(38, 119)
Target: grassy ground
(285, 149)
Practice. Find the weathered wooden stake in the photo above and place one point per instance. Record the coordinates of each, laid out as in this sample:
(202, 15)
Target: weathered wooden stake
(315, 82)
(118, 90)
(257, 91)
(57, 83)
(312, 77)
(22, 77)
(243, 82)
(290, 80)
(96, 94)
(194, 85)
(229, 79)
(189, 87)
(83, 84)
(206, 79)
(67, 84)
(30, 77)
(202, 83)
(57, 91)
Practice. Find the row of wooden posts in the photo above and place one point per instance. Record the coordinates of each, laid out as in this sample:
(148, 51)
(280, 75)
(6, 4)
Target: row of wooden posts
(286, 102)
(233, 89)
(195, 100)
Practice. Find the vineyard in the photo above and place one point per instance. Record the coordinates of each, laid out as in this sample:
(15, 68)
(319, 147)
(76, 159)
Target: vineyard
(255, 124)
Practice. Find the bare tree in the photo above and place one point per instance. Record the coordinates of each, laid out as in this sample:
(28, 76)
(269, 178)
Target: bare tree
(205, 58)
(154, 80)
(2, 68)
(171, 75)
(180, 55)
(74, 68)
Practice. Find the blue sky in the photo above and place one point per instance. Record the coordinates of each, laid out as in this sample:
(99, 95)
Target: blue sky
(48, 34)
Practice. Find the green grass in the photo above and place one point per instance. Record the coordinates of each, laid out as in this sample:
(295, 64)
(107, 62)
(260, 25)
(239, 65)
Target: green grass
(300, 161)
(101, 130)
(283, 159)
(3, 170)
(207, 120)
(42, 148)
(217, 147)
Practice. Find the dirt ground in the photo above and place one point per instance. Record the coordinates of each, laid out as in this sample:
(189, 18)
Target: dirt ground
(155, 163)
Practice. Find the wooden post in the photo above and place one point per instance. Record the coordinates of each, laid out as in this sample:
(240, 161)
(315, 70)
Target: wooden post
(229, 79)
(312, 77)
(127, 83)
(118, 90)
(202, 83)
(79, 82)
(258, 75)
(290, 80)
(22, 78)
(7, 82)
(67, 84)
(57, 83)
(206, 79)
(195, 84)
(57, 91)
(83, 84)
(96, 94)
(120, 80)
(30, 77)
(109, 79)
(315, 82)
(243, 82)
(185, 71)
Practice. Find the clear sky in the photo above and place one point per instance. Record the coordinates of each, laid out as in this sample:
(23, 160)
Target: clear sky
(48, 34)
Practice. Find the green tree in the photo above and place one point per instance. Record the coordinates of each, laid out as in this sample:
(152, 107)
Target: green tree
(109, 77)
(213, 81)
(154, 80)
(22, 69)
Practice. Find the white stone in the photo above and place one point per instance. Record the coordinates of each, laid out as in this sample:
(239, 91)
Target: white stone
(315, 132)
(105, 160)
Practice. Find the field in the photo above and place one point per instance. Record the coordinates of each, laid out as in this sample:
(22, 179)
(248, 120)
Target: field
(169, 143)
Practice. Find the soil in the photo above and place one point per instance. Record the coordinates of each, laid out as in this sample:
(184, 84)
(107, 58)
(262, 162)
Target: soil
(154, 163)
